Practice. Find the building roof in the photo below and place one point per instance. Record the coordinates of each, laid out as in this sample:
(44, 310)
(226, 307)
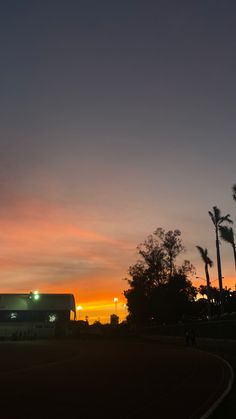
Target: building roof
(37, 301)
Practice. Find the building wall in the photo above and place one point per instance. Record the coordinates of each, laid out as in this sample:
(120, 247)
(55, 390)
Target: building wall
(17, 316)
(26, 331)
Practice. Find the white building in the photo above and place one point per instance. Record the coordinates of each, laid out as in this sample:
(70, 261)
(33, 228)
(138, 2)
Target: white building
(34, 314)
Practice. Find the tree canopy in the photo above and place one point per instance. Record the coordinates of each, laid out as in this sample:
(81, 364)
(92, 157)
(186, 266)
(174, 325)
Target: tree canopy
(159, 287)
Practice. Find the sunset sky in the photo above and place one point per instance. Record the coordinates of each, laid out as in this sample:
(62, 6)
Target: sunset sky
(117, 117)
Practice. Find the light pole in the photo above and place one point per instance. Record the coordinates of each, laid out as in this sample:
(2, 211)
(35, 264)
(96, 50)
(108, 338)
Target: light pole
(116, 301)
(214, 280)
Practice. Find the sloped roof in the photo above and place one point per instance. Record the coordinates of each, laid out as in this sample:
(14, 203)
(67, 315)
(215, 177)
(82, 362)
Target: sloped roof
(44, 302)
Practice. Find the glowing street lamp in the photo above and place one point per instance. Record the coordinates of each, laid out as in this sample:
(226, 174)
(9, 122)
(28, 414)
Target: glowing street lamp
(79, 308)
(116, 301)
(36, 295)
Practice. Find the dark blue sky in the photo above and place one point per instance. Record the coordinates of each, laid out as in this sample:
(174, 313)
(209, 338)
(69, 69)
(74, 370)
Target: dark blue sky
(120, 111)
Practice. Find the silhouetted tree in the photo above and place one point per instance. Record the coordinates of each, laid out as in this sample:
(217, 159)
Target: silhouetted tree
(207, 262)
(227, 234)
(173, 246)
(214, 293)
(172, 301)
(217, 220)
(159, 288)
(153, 259)
(138, 296)
(229, 298)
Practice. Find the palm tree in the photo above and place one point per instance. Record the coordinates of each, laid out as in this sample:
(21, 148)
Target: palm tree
(234, 191)
(227, 234)
(217, 220)
(208, 262)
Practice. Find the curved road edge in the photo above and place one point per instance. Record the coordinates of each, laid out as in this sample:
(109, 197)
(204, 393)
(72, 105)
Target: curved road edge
(220, 399)
(227, 366)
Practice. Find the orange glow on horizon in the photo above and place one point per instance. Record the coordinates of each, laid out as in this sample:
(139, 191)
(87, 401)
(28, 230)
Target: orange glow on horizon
(45, 247)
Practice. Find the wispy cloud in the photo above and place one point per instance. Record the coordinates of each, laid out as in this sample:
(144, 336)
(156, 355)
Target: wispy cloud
(42, 243)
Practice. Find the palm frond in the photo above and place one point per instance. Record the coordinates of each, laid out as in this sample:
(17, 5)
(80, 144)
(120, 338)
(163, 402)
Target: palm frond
(204, 256)
(217, 213)
(209, 261)
(201, 251)
(226, 219)
(234, 191)
(227, 234)
(212, 217)
(217, 218)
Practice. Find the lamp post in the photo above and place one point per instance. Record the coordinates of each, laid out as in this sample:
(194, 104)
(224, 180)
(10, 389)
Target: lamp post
(116, 301)
(200, 277)
(214, 280)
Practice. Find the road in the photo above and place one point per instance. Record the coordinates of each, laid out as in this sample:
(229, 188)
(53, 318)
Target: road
(227, 350)
(118, 379)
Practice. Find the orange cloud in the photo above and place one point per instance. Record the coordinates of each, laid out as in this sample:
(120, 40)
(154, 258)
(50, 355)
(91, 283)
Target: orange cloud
(44, 247)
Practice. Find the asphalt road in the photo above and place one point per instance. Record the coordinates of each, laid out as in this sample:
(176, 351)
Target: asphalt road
(227, 350)
(106, 379)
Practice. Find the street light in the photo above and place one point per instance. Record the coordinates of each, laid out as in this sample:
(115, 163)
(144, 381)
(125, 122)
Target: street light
(36, 295)
(79, 308)
(200, 277)
(204, 279)
(115, 301)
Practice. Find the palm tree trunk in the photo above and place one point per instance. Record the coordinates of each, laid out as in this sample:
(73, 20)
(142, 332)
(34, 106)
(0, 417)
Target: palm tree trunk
(219, 271)
(208, 291)
(234, 250)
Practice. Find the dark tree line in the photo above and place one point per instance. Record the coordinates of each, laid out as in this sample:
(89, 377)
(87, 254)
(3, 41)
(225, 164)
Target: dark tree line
(229, 297)
(160, 289)
(225, 233)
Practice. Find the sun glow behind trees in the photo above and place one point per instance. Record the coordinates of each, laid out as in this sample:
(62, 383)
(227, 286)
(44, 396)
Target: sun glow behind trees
(102, 310)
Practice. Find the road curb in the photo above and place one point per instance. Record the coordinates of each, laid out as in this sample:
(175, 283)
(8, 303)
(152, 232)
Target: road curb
(226, 364)
(220, 399)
